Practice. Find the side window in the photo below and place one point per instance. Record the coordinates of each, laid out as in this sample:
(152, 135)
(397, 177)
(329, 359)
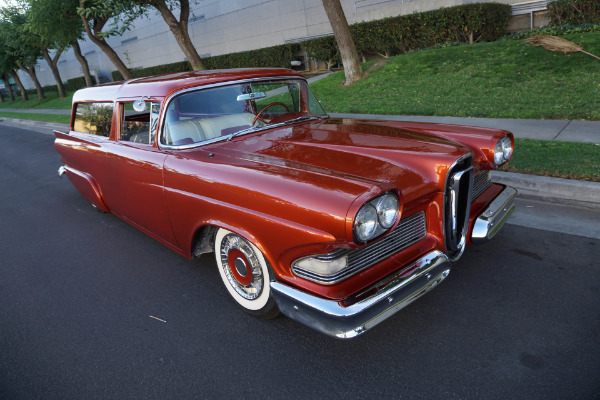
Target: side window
(139, 127)
(93, 118)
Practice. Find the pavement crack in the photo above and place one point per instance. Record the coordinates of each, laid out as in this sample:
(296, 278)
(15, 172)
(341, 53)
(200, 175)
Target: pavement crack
(563, 128)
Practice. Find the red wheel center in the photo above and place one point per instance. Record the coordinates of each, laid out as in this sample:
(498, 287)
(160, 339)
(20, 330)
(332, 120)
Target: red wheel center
(240, 267)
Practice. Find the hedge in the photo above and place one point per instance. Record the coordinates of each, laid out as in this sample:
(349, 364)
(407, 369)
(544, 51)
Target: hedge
(71, 85)
(553, 30)
(574, 12)
(389, 36)
(275, 56)
(464, 24)
(180, 66)
(74, 84)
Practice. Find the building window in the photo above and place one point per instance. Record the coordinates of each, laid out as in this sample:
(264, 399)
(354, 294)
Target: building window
(130, 40)
(197, 18)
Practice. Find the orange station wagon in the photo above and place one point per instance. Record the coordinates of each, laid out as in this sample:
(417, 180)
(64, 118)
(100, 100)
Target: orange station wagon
(336, 223)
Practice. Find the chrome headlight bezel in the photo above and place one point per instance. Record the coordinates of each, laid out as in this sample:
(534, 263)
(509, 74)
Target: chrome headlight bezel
(323, 268)
(376, 217)
(503, 150)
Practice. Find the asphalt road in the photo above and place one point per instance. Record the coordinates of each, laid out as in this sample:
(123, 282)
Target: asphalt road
(90, 308)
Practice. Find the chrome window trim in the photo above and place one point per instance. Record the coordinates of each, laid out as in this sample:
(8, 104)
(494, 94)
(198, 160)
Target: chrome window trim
(169, 99)
(74, 117)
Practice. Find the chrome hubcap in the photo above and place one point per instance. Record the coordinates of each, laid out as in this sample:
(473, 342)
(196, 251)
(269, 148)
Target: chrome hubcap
(241, 266)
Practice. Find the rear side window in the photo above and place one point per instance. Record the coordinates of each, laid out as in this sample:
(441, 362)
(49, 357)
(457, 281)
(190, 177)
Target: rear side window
(93, 118)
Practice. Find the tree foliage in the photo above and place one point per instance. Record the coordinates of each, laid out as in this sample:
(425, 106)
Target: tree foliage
(50, 19)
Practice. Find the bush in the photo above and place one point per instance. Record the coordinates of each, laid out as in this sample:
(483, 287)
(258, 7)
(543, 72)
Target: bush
(554, 30)
(275, 56)
(74, 84)
(323, 48)
(574, 12)
(268, 57)
(396, 35)
(180, 66)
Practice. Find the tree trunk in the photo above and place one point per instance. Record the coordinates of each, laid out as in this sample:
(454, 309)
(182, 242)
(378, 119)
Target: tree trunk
(180, 31)
(8, 88)
(54, 68)
(341, 31)
(1, 98)
(84, 64)
(24, 96)
(105, 47)
(31, 72)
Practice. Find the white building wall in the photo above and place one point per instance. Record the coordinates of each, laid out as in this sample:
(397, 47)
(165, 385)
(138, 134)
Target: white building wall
(228, 26)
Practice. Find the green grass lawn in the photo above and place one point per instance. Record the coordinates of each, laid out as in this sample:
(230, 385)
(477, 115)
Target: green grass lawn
(52, 101)
(64, 119)
(553, 158)
(504, 79)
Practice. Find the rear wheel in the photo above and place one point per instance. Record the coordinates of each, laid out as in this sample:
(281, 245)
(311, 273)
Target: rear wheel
(245, 274)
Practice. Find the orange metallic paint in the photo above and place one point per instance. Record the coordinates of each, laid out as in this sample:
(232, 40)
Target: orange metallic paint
(292, 191)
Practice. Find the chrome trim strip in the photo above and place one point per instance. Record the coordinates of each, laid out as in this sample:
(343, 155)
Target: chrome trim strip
(61, 171)
(390, 296)
(492, 219)
(481, 182)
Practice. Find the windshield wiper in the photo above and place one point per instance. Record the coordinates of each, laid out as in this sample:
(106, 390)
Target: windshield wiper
(290, 121)
(243, 131)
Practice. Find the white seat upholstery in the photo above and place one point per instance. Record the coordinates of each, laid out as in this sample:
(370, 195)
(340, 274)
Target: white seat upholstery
(212, 127)
(181, 130)
(200, 129)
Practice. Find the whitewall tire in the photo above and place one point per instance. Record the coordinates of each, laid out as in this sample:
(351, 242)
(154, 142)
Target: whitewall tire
(245, 274)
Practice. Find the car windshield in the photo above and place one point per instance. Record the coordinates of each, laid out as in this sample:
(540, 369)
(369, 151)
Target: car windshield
(225, 111)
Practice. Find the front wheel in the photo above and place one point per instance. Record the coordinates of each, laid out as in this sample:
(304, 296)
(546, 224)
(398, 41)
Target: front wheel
(245, 274)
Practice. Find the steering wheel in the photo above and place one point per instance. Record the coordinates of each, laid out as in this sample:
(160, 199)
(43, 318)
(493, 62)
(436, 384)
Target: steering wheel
(267, 106)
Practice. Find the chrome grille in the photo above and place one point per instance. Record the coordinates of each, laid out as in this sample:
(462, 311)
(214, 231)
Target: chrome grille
(410, 230)
(481, 182)
(457, 204)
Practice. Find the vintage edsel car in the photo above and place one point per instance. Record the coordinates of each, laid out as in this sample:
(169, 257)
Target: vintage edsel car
(336, 223)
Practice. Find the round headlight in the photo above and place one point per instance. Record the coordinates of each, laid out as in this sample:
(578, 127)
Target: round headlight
(387, 210)
(502, 151)
(498, 153)
(506, 148)
(365, 223)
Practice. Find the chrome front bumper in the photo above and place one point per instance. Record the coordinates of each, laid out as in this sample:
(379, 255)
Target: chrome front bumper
(384, 299)
(492, 219)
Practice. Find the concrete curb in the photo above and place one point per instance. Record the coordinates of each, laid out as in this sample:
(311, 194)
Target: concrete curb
(556, 190)
(38, 126)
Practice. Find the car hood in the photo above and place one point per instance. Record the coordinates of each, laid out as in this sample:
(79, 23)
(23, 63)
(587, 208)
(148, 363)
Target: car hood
(366, 152)
(313, 175)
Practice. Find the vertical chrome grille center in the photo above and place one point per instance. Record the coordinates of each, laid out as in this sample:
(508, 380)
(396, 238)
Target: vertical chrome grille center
(457, 199)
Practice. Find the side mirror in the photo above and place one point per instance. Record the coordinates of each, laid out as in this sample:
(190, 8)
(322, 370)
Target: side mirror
(139, 105)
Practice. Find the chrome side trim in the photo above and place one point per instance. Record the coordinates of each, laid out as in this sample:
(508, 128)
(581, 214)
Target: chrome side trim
(389, 296)
(61, 171)
(492, 219)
